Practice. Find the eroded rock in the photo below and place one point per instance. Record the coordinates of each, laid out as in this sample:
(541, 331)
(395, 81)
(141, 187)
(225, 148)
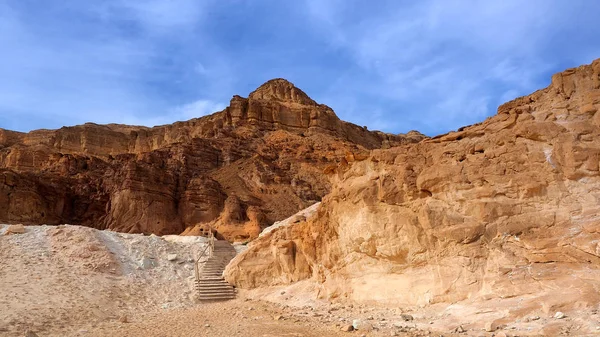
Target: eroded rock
(236, 171)
(501, 209)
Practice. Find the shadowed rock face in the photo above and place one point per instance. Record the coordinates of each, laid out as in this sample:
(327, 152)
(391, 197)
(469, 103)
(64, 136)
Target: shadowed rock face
(258, 161)
(508, 207)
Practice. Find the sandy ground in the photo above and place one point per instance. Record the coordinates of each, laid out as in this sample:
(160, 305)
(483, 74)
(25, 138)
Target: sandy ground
(77, 281)
(54, 279)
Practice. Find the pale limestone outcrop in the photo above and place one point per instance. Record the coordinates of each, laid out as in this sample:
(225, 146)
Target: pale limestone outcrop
(508, 207)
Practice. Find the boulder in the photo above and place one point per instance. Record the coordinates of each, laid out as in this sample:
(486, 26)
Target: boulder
(14, 229)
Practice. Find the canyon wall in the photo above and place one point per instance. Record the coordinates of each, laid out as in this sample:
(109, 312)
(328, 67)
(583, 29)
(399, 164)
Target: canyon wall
(258, 161)
(505, 208)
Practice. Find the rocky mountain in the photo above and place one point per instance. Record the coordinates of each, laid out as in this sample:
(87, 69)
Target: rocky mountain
(505, 211)
(260, 160)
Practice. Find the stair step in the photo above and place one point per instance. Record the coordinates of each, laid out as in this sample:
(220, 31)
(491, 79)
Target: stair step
(211, 285)
(224, 284)
(215, 282)
(217, 297)
(216, 291)
(212, 278)
(207, 277)
(215, 288)
(218, 283)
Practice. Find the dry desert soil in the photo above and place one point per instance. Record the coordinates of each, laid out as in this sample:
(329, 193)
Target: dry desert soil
(77, 281)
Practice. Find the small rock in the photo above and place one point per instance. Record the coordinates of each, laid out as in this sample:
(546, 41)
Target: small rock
(459, 329)
(336, 306)
(147, 262)
(490, 326)
(15, 229)
(361, 325)
(282, 293)
(406, 317)
(347, 328)
(207, 325)
(278, 318)
(559, 315)
(501, 334)
(534, 318)
(172, 257)
(31, 334)
(123, 319)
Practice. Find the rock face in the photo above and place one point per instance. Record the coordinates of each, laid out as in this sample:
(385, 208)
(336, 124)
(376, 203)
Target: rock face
(258, 161)
(508, 207)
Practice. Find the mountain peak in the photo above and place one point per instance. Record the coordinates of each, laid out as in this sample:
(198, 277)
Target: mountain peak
(281, 90)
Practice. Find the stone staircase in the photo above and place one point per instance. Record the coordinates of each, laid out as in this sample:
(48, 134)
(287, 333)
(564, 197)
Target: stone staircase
(210, 284)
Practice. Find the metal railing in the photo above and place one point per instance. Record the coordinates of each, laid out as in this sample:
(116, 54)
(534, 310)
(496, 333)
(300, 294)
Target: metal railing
(211, 248)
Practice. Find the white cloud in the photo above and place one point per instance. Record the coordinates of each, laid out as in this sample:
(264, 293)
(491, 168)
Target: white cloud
(200, 69)
(448, 56)
(106, 77)
(157, 16)
(196, 109)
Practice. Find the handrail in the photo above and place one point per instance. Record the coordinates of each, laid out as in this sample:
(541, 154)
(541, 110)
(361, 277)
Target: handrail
(211, 245)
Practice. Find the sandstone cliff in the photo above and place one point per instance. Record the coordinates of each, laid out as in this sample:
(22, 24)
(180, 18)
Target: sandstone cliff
(508, 207)
(258, 161)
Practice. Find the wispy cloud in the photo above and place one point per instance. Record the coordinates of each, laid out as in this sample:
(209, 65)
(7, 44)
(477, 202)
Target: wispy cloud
(449, 62)
(161, 15)
(71, 72)
(197, 109)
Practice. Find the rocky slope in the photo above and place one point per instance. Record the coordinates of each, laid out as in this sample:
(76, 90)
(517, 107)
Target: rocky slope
(258, 161)
(57, 278)
(504, 210)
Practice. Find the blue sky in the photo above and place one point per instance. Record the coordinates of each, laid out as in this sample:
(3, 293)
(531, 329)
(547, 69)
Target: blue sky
(396, 65)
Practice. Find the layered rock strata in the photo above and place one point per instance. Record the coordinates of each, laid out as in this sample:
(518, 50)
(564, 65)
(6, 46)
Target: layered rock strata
(258, 161)
(505, 208)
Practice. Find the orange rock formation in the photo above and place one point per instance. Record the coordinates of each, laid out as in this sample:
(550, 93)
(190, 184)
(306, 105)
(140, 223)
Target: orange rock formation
(258, 161)
(508, 207)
